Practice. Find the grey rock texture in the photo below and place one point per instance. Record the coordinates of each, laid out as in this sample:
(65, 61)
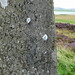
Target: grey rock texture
(27, 38)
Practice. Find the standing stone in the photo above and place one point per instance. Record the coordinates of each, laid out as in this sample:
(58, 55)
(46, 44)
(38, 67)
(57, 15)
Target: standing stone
(27, 38)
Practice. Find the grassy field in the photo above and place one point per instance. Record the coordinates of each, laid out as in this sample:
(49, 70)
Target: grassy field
(66, 10)
(65, 19)
(65, 54)
(66, 61)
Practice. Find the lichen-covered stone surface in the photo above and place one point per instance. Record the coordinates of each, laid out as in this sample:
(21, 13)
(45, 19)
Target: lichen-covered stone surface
(27, 38)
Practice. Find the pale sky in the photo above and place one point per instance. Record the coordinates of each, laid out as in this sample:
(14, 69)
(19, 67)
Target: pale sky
(64, 3)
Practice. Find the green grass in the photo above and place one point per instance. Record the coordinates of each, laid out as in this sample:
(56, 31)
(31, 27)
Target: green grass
(64, 10)
(66, 61)
(65, 56)
(65, 19)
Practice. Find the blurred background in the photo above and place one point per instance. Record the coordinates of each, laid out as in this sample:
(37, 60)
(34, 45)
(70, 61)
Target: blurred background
(64, 11)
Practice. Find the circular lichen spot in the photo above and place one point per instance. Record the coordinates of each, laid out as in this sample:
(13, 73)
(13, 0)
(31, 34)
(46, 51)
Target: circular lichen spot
(45, 37)
(28, 20)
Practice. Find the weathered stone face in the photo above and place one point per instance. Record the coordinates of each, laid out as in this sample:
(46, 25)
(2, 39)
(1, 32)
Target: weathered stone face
(27, 38)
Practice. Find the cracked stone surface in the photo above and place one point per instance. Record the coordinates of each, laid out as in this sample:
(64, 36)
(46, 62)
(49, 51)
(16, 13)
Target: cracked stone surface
(28, 47)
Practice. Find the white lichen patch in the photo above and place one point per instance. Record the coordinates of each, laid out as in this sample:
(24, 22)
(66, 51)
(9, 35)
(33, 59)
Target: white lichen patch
(1, 49)
(4, 3)
(40, 16)
(18, 41)
(45, 52)
(45, 37)
(13, 26)
(33, 67)
(7, 58)
(23, 70)
(28, 20)
(47, 71)
(42, 70)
